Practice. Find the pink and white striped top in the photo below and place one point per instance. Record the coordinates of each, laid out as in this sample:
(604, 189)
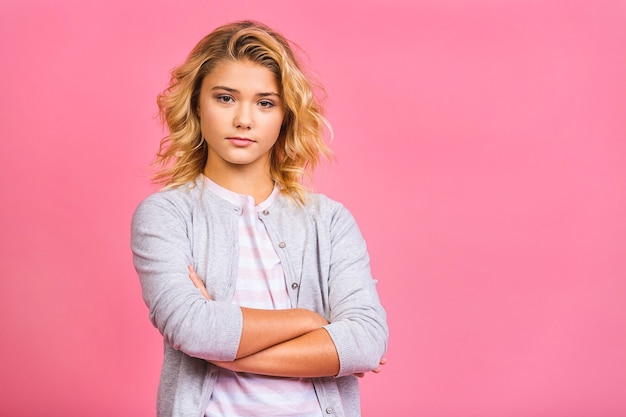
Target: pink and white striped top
(260, 284)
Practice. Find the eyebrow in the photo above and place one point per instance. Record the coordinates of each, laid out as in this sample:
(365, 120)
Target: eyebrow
(233, 90)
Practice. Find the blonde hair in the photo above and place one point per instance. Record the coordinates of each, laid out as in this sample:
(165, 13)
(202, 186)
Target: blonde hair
(182, 154)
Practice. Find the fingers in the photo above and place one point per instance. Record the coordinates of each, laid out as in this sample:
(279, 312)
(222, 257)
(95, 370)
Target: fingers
(195, 278)
(197, 282)
(383, 361)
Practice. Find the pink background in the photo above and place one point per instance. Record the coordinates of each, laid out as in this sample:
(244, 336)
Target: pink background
(481, 145)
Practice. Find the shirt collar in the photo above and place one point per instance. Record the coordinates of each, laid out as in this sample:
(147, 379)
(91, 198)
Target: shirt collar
(241, 200)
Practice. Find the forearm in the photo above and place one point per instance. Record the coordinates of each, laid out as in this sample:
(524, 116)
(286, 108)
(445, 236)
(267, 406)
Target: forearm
(310, 355)
(265, 328)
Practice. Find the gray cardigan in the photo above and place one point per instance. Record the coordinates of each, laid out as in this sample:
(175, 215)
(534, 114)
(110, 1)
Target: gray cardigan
(326, 267)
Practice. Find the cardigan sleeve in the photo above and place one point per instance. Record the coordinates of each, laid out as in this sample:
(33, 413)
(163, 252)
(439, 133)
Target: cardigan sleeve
(358, 323)
(161, 248)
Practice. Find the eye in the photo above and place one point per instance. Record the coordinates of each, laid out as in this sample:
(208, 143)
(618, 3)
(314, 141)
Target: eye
(224, 98)
(266, 104)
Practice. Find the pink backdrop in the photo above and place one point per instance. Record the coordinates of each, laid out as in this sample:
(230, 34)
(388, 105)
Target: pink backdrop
(481, 145)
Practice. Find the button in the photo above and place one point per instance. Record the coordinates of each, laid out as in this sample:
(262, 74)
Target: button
(265, 212)
(329, 410)
(282, 245)
(294, 285)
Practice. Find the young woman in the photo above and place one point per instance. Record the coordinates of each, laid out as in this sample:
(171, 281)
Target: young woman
(262, 291)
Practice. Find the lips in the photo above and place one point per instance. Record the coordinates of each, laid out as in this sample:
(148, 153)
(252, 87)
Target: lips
(240, 142)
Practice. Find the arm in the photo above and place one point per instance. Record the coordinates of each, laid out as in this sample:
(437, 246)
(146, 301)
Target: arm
(356, 339)
(206, 329)
(307, 356)
(358, 325)
(161, 252)
(296, 358)
(265, 328)
(310, 355)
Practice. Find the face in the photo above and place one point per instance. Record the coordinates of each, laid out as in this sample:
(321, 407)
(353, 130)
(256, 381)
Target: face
(241, 114)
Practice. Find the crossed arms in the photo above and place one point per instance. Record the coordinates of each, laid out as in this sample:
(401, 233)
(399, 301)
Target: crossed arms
(291, 342)
(288, 343)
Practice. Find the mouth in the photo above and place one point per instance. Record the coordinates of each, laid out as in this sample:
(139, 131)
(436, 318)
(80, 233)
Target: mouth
(240, 141)
(240, 138)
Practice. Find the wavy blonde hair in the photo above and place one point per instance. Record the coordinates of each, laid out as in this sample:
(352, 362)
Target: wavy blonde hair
(182, 154)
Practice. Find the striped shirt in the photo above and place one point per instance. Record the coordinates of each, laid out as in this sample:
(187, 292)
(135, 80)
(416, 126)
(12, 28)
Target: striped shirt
(260, 284)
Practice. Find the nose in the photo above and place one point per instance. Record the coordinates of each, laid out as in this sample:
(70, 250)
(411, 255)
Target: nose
(243, 117)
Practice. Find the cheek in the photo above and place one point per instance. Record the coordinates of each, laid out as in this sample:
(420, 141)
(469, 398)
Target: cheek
(210, 120)
(275, 131)
(278, 123)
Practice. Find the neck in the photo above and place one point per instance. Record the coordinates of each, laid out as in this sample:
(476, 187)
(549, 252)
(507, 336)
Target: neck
(242, 181)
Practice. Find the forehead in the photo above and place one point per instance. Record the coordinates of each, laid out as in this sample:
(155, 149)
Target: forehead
(243, 76)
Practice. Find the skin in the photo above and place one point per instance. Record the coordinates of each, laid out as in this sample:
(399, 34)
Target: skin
(240, 100)
(241, 114)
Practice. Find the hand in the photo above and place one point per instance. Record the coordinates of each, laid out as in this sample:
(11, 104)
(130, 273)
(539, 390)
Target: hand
(195, 278)
(382, 362)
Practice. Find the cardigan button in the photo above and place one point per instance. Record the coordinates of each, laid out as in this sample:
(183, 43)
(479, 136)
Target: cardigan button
(295, 285)
(265, 212)
(282, 245)
(329, 410)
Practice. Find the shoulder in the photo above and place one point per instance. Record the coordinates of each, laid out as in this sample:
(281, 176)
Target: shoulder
(323, 208)
(322, 201)
(317, 205)
(168, 203)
